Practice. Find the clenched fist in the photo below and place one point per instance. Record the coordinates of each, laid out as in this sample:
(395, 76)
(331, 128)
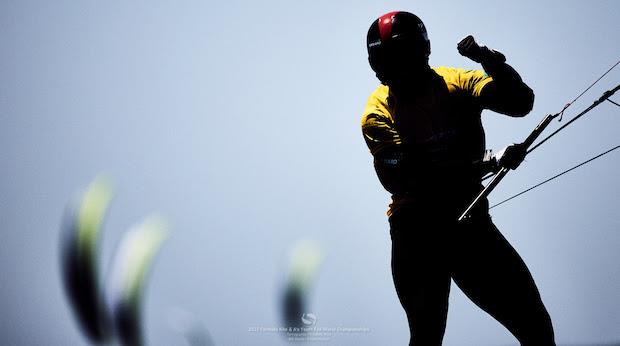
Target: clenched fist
(468, 47)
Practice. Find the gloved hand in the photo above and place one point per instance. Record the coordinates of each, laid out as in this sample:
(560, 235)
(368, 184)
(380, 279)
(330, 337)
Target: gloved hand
(511, 156)
(468, 47)
(488, 164)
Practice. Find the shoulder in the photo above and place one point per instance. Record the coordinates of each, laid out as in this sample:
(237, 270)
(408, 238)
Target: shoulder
(459, 76)
(459, 79)
(378, 103)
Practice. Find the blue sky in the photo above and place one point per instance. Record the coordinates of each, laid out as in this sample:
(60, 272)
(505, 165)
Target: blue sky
(239, 122)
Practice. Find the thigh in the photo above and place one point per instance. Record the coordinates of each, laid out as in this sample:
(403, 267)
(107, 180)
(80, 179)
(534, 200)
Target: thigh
(493, 275)
(421, 278)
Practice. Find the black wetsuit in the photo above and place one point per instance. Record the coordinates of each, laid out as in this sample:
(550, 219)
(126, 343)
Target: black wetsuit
(427, 143)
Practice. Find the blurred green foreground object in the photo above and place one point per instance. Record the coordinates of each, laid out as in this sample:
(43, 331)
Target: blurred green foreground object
(102, 320)
(80, 265)
(131, 266)
(305, 259)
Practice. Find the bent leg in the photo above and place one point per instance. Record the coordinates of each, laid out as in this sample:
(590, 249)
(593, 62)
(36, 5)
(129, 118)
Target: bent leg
(493, 275)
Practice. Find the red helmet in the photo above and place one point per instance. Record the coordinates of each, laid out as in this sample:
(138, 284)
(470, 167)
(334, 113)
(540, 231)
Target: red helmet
(396, 42)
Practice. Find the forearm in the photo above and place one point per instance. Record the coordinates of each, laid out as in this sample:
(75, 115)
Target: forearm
(507, 93)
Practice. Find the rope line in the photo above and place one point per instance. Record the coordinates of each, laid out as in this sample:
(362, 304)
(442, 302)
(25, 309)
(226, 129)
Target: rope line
(555, 176)
(561, 113)
(586, 90)
(605, 96)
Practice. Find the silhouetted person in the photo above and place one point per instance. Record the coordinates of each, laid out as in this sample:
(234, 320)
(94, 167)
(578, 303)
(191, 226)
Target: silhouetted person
(423, 127)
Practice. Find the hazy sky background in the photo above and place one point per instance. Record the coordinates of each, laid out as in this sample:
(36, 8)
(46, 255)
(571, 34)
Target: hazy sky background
(239, 121)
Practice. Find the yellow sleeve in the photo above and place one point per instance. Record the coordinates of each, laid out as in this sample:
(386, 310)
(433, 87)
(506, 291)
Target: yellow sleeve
(378, 123)
(468, 81)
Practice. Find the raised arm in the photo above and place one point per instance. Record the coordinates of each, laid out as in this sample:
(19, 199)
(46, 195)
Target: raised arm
(507, 93)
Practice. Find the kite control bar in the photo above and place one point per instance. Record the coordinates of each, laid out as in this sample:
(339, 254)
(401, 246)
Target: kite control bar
(530, 140)
(500, 175)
